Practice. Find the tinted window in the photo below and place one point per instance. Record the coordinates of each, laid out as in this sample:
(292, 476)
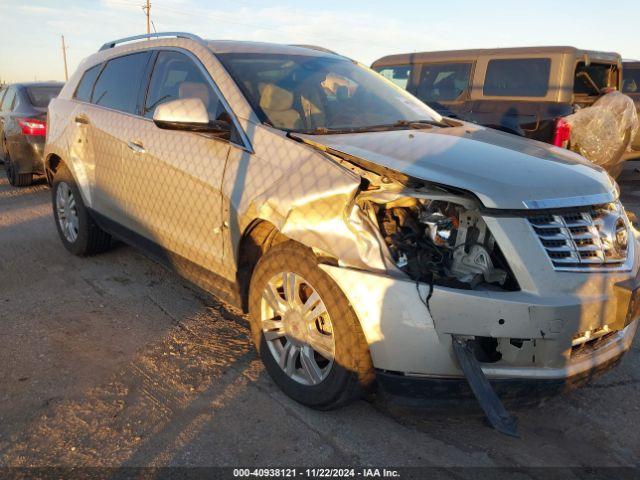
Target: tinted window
(85, 87)
(41, 96)
(2, 93)
(118, 84)
(176, 76)
(593, 78)
(398, 75)
(8, 100)
(526, 77)
(443, 81)
(320, 93)
(631, 81)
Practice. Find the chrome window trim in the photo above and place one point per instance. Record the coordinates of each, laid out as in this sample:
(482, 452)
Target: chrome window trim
(567, 202)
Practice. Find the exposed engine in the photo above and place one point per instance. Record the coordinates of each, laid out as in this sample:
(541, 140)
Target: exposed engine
(441, 243)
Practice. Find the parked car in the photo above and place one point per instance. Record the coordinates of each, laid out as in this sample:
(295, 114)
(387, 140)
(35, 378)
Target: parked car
(367, 236)
(23, 127)
(525, 91)
(631, 87)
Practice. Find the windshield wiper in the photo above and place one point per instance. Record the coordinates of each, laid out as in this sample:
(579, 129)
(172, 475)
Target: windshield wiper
(418, 124)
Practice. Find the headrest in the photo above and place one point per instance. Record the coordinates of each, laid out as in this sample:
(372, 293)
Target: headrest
(194, 90)
(276, 98)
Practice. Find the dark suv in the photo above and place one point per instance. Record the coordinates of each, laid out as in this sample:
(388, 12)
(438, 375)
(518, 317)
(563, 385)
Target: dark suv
(525, 91)
(23, 128)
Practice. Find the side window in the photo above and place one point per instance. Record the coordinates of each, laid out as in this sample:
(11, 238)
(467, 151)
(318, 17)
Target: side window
(524, 77)
(176, 76)
(119, 83)
(398, 75)
(631, 82)
(85, 87)
(2, 94)
(442, 82)
(591, 79)
(19, 100)
(7, 102)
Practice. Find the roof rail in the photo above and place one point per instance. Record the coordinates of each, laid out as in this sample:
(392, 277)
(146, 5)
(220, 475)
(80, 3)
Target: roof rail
(314, 47)
(113, 43)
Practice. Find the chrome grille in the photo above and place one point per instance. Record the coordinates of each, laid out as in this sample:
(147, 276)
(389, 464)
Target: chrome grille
(592, 238)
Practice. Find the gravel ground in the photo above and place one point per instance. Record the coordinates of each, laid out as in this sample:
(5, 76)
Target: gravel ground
(112, 361)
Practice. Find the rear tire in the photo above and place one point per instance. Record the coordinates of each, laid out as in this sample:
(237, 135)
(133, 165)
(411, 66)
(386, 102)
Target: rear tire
(78, 231)
(327, 383)
(16, 179)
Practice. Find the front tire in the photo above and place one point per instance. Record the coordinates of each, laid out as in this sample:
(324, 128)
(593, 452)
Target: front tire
(79, 233)
(305, 330)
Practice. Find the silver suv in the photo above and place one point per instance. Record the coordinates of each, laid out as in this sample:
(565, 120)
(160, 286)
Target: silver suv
(368, 236)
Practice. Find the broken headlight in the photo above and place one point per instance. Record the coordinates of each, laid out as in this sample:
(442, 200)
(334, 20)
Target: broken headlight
(441, 242)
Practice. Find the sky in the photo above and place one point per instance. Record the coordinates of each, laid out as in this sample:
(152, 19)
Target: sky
(30, 46)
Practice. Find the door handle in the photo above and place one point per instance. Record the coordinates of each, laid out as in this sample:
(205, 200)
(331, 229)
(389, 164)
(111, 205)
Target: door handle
(82, 120)
(137, 147)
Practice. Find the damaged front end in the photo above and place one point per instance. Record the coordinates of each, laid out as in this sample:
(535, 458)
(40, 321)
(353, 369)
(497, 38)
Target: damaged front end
(448, 289)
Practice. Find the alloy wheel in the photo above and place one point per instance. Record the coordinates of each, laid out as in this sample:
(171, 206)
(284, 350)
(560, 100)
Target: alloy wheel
(297, 328)
(67, 212)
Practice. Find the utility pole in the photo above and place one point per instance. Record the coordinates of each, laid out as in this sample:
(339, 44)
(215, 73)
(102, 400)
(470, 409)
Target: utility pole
(147, 11)
(64, 57)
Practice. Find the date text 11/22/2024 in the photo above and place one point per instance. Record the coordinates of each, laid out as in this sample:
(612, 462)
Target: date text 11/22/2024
(316, 473)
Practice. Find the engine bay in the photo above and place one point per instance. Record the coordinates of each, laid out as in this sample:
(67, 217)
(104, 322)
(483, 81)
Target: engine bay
(441, 243)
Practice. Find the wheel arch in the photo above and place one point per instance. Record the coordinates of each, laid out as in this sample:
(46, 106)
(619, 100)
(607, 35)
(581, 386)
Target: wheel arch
(258, 237)
(51, 164)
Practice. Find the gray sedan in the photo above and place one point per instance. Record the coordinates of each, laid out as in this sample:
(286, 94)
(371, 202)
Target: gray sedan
(23, 128)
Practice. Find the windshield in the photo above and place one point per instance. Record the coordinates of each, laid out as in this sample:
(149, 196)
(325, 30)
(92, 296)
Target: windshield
(631, 80)
(41, 96)
(321, 94)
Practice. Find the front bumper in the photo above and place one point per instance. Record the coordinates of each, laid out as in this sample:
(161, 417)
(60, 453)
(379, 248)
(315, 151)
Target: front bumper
(533, 331)
(422, 387)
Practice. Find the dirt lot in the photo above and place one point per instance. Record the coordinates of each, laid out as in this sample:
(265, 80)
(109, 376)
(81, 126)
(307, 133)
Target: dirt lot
(114, 361)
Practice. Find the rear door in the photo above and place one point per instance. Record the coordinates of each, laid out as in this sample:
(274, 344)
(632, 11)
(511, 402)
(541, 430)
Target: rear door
(111, 120)
(444, 86)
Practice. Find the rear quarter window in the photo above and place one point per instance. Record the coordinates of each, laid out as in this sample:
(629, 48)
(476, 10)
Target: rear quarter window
(85, 87)
(523, 77)
(7, 101)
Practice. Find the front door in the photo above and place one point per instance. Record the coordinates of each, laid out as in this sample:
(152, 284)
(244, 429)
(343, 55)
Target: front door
(174, 178)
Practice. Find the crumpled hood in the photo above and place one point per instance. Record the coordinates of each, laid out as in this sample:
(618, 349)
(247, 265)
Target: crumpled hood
(504, 171)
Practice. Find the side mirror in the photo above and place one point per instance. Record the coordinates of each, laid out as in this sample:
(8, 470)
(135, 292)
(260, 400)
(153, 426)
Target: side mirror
(190, 115)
